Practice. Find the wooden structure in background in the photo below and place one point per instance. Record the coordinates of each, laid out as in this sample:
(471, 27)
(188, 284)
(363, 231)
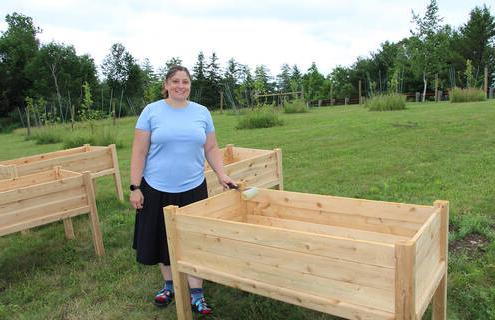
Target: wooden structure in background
(100, 161)
(354, 258)
(49, 196)
(255, 167)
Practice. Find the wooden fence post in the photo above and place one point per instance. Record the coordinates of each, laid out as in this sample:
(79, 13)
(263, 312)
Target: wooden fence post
(93, 215)
(485, 86)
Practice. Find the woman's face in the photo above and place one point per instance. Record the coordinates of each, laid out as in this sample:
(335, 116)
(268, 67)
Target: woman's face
(178, 86)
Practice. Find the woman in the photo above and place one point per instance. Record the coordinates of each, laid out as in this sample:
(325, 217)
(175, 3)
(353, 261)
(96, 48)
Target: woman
(173, 136)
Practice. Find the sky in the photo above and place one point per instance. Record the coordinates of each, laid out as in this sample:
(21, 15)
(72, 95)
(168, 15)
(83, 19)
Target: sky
(268, 32)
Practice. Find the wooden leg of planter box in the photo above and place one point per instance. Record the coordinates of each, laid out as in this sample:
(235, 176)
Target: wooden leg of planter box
(93, 215)
(69, 229)
(181, 287)
(405, 302)
(439, 311)
(278, 153)
(116, 173)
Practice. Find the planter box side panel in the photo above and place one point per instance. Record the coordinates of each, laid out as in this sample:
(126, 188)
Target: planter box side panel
(397, 228)
(41, 204)
(256, 172)
(246, 252)
(92, 161)
(429, 264)
(416, 214)
(44, 156)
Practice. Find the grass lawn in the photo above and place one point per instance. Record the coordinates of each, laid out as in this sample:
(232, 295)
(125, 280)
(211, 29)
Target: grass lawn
(426, 152)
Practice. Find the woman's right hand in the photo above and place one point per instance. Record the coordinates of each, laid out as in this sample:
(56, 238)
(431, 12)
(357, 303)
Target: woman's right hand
(137, 199)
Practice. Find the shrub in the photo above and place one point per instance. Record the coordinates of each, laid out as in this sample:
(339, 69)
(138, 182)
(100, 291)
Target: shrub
(260, 117)
(386, 102)
(46, 135)
(296, 106)
(101, 137)
(466, 95)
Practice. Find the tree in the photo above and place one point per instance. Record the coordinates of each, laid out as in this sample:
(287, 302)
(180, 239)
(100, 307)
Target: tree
(429, 44)
(475, 38)
(296, 79)
(18, 45)
(262, 80)
(313, 82)
(199, 78)
(283, 78)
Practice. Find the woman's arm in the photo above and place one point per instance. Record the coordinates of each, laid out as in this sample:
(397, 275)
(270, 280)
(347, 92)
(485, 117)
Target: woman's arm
(140, 147)
(215, 159)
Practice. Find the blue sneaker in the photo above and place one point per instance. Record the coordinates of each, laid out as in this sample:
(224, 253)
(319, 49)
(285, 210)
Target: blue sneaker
(201, 306)
(164, 297)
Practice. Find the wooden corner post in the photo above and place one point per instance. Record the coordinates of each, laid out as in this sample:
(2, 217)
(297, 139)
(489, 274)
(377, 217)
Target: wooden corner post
(93, 214)
(116, 173)
(228, 157)
(405, 274)
(439, 311)
(278, 153)
(181, 287)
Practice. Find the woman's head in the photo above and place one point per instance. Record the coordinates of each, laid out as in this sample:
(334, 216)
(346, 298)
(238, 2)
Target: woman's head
(177, 83)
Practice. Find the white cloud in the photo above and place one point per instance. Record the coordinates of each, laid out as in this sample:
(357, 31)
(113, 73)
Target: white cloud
(273, 32)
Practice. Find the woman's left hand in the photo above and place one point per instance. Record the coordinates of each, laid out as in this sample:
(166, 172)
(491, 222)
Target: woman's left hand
(225, 181)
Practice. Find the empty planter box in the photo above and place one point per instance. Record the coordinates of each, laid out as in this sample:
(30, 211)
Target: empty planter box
(353, 258)
(48, 196)
(100, 161)
(256, 167)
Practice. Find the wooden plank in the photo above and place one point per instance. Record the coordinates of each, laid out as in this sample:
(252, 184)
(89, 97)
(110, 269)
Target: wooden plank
(405, 304)
(49, 218)
(181, 288)
(344, 232)
(231, 198)
(350, 206)
(69, 229)
(93, 215)
(288, 279)
(20, 182)
(116, 174)
(37, 200)
(439, 310)
(94, 160)
(335, 269)
(32, 191)
(280, 175)
(436, 279)
(427, 236)
(378, 254)
(43, 209)
(102, 173)
(330, 306)
(374, 224)
(43, 156)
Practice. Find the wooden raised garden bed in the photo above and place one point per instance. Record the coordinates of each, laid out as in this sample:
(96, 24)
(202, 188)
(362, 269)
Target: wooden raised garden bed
(48, 196)
(100, 161)
(354, 258)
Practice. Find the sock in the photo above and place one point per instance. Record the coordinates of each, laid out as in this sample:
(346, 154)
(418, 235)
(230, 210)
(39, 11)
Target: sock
(196, 294)
(169, 285)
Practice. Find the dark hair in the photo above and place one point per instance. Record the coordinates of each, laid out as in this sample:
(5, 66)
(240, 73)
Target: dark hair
(170, 73)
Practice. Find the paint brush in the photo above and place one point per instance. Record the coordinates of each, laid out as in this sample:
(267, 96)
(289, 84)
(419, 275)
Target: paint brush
(246, 193)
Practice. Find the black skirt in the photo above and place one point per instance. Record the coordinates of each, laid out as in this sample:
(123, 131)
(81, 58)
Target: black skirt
(150, 239)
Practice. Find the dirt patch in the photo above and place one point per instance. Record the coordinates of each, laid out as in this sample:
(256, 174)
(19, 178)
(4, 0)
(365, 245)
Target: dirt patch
(472, 244)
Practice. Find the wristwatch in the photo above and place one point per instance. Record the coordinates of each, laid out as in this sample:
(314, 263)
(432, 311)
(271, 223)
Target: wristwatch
(134, 187)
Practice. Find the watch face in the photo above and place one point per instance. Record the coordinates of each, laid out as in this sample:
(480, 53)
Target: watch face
(133, 187)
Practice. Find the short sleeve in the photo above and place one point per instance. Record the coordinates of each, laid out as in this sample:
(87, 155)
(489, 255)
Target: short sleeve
(209, 122)
(143, 122)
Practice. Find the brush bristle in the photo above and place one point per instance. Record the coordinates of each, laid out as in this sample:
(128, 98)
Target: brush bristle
(249, 193)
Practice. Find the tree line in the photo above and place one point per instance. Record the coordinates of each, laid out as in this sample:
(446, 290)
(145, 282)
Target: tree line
(58, 84)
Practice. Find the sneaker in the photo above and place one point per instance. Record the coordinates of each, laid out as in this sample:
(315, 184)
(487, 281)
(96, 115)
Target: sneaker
(201, 306)
(164, 297)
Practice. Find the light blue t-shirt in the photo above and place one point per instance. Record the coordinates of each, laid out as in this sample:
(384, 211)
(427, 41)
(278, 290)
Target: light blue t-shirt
(175, 160)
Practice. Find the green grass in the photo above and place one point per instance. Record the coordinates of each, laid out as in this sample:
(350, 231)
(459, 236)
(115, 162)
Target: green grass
(426, 152)
(259, 117)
